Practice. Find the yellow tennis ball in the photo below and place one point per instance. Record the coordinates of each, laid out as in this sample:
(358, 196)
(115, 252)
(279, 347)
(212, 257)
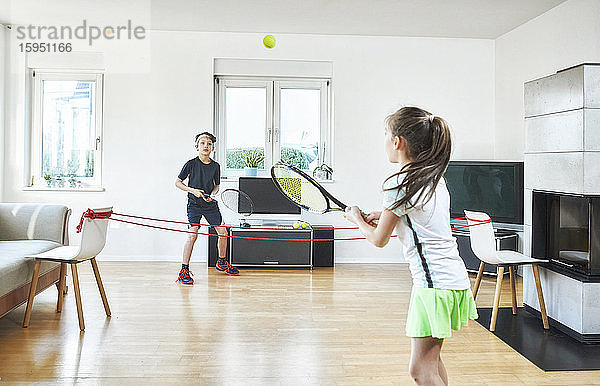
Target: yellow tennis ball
(296, 225)
(303, 225)
(269, 41)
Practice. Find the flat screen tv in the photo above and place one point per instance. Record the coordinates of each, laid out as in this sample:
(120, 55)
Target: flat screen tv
(266, 197)
(493, 187)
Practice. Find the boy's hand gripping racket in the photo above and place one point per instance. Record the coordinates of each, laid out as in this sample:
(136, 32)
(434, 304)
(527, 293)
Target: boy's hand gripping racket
(303, 190)
(234, 200)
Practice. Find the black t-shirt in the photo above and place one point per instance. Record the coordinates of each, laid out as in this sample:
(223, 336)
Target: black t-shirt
(201, 176)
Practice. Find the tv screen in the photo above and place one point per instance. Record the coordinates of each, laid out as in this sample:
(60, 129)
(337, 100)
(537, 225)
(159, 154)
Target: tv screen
(495, 188)
(266, 197)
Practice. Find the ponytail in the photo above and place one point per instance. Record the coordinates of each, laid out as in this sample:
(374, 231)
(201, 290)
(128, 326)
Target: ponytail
(429, 146)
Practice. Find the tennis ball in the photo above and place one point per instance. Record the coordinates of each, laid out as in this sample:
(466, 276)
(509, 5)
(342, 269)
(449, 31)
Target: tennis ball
(269, 41)
(303, 225)
(296, 225)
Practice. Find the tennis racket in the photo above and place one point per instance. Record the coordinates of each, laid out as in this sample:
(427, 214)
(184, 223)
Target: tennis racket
(234, 200)
(303, 190)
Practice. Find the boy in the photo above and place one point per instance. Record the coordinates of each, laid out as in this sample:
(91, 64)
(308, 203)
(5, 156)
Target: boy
(203, 176)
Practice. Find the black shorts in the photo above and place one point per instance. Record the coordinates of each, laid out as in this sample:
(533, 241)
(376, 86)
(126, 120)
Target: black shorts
(211, 213)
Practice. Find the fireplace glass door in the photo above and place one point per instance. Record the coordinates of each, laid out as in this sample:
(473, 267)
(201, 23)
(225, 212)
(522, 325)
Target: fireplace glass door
(569, 230)
(565, 230)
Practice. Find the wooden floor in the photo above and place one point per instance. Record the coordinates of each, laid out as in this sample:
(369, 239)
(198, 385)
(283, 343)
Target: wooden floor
(273, 327)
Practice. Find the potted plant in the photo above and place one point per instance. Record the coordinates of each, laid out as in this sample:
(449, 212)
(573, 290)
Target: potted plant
(48, 179)
(60, 182)
(252, 161)
(72, 181)
(323, 172)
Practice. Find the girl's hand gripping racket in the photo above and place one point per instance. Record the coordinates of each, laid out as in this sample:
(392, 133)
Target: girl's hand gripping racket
(303, 190)
(234, 200)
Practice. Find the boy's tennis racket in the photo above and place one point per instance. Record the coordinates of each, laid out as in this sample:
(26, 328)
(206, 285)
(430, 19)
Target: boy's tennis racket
(234, 200)
(303, 190)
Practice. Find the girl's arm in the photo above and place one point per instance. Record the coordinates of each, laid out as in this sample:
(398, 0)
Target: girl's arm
(377, 235)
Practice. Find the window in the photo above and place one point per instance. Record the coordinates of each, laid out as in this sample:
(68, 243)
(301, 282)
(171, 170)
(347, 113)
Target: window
(278, 119)
(66, 129)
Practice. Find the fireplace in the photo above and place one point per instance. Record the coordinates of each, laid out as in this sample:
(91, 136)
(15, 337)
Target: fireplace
(562, 191)
(566, 230)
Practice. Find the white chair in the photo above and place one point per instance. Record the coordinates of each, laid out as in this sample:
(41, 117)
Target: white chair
(483, 244)
(93, 238)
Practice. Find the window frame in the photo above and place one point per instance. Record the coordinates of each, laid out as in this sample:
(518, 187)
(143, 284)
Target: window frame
(272, 129)
(36, 102)
(322, 86)
(221, 84)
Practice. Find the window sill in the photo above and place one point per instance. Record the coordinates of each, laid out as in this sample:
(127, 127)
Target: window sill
(46, 189)
(236, 179)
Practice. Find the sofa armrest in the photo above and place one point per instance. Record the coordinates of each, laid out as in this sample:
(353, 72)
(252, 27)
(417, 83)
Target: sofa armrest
(20, 221)
(65, 233)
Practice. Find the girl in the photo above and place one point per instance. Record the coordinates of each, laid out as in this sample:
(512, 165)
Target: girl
(416, 203)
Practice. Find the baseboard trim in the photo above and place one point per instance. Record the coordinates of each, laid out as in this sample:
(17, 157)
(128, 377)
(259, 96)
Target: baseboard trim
(202, 259)
(146, 258)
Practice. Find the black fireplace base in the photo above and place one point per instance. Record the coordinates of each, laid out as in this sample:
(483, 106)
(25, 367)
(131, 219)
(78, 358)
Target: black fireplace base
(593, 339)
(550, 350)
(573, 274)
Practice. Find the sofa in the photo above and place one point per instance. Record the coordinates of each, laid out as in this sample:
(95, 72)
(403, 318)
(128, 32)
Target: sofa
(28, 229)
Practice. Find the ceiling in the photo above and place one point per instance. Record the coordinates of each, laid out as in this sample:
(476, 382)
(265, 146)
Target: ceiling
(487, 19)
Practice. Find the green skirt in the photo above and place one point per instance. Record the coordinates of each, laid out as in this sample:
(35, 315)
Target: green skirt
(435, 312)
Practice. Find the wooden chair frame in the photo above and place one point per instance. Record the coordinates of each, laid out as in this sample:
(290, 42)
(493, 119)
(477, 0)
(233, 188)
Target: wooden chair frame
(500, 271)
(61, 288)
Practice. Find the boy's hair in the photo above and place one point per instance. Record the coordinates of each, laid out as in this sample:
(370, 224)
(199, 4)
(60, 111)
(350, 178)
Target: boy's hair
(429, 146)
(205, 134)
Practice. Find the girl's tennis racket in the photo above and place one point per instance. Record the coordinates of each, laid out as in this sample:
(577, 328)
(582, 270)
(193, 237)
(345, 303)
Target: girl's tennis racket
(235, 200)
(303, 190)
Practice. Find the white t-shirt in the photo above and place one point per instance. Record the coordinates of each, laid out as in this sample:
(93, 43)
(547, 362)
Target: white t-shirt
(426, 237)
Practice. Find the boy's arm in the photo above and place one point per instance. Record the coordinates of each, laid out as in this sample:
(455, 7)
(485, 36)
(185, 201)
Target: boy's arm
(217, 179)
(196, 192)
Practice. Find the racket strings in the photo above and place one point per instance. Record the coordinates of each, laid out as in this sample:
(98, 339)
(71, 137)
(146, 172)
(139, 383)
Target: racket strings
(237, 201)
(300, 190)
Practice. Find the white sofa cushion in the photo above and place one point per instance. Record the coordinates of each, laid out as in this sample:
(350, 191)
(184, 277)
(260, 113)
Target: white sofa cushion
(15, 269)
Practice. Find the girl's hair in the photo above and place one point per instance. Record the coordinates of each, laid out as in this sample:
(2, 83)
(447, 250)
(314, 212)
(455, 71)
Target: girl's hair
(429, 147)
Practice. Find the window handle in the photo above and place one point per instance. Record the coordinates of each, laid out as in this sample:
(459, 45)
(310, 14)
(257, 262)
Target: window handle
(270, 136)
(277, 134)
(97, 143)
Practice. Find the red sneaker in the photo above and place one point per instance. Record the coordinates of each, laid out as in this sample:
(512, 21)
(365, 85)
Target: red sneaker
(227, 268)
(185, 276)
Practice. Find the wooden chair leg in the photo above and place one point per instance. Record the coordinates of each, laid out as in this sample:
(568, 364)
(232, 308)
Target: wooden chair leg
(538, 285)
(100, 286)
(513, 291)
(478, 280)
(77, 296)
(496, 298)
(32, 288)
(61, 287)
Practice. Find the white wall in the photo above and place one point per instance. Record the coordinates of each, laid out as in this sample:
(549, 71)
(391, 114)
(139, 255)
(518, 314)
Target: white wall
(3, 59)
(567, 35)
(151, 117)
